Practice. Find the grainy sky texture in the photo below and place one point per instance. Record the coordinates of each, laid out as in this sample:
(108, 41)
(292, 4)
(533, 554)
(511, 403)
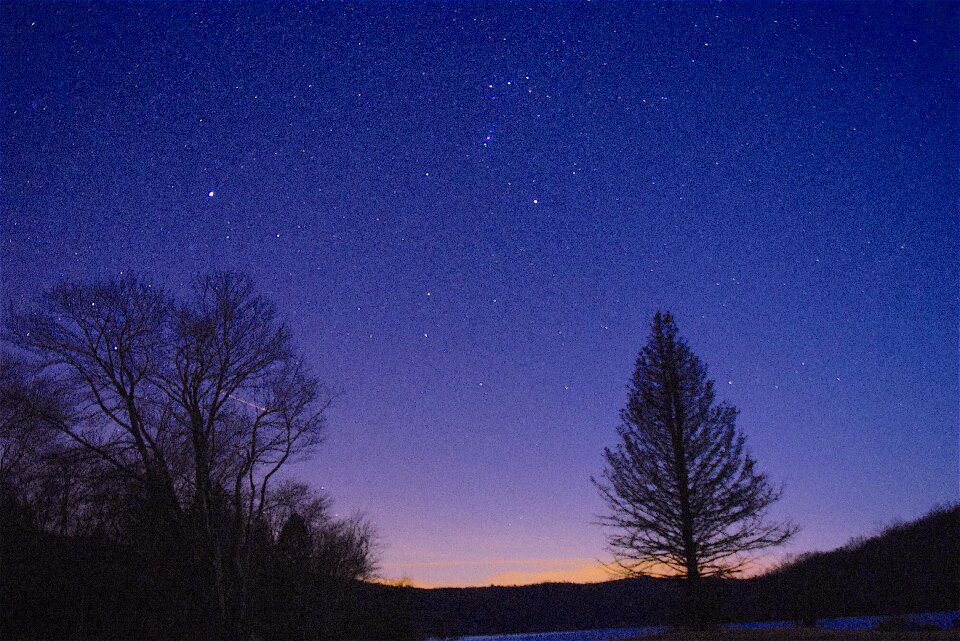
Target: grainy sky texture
(469, 213)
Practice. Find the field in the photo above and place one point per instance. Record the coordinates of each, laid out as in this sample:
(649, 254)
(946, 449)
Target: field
(807, 634)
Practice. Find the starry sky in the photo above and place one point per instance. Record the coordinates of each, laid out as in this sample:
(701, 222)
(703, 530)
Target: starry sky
(469, 212)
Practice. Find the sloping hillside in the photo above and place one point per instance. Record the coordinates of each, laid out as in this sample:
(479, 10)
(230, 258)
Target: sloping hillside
(909, 567)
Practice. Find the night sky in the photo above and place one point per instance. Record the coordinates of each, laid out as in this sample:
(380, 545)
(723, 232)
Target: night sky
(469, 214)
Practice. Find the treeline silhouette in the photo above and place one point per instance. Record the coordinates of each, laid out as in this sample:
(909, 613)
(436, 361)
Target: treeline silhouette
(93, 584)
(908, 568)
(142, 437)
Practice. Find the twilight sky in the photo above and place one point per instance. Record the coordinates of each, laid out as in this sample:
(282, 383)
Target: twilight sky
(469, 213)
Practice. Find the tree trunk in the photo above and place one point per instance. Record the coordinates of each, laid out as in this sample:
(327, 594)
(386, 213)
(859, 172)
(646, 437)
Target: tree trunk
(212, 554)
(693, 602)
(692, 614)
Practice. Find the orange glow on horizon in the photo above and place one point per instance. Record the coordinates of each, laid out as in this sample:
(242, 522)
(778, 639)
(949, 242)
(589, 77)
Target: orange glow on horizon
(512, 572)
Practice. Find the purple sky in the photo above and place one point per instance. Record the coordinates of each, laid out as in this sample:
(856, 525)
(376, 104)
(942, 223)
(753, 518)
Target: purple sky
(469, 213)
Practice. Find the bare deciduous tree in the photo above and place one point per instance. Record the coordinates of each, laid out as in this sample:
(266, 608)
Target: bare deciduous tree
(22, 404)
(248, 407)
(685, 497)
(200, 403)
(342, 549)
(98, 344)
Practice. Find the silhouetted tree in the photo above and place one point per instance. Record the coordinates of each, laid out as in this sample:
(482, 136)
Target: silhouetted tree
(248, 407)
(685, 497)
(311, 589)
(292, 597)
(51, 474)
(295, 544)
(194, 406)
(97, 346)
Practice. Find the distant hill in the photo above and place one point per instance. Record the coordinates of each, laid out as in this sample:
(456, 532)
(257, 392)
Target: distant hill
(911, 567)
(548, 606)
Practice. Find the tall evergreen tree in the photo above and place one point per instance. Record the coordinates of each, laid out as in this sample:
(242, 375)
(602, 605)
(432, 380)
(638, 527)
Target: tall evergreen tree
(685, 496)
